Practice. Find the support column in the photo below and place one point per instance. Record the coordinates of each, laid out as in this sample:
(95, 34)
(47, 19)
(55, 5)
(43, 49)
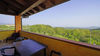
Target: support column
(18, 23)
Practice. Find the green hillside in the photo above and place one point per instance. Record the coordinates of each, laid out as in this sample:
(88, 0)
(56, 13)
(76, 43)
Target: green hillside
(82, 35)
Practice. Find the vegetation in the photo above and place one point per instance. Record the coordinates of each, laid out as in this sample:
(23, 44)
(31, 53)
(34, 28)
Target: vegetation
(82, 35)
(7, 27)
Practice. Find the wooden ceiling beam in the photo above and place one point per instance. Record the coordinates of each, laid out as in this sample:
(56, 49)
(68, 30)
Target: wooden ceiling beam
(13, 3)
(7, 6)
(25, 15)
(37, 9)
(32, 6)
(53, 2)
(3, 8)
(22, 2)
(40, 8)
(30, 1)
(18, 3)
(6, 9)
(43, 5)
(34, 11)
(48, 4)
(7, 12)
(26, 7)
(30, 13)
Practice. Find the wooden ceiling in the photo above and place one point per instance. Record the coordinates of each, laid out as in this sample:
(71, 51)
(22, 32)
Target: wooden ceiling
(26, 8)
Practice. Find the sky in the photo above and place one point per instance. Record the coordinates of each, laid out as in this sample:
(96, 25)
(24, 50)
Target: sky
(75, 13)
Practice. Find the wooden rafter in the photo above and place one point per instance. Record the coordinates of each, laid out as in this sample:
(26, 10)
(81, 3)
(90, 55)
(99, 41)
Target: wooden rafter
(43, 5)
(30, 13)
(14, 3)
(25, 14)
(34, 11)
(7, 6)
(53, 2)
(32, 6)
(48, 4)
(7, 13)
(22, 2)
(26, 7)
(40, 8)
(37, 9)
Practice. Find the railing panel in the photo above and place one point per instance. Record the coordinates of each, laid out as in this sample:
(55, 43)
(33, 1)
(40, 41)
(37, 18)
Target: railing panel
(5, 34)
(65, 47)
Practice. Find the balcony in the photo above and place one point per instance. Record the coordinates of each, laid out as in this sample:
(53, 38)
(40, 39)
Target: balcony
(63, 46)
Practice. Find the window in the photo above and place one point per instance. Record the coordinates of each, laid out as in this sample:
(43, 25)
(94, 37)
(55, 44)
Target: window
(78, 21)
(6, 22)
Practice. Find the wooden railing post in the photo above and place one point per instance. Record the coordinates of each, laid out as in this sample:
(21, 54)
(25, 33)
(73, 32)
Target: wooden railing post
(18, 23)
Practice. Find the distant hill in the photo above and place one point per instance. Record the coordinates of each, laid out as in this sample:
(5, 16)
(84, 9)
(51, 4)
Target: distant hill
(93, 27)
(97, 29)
